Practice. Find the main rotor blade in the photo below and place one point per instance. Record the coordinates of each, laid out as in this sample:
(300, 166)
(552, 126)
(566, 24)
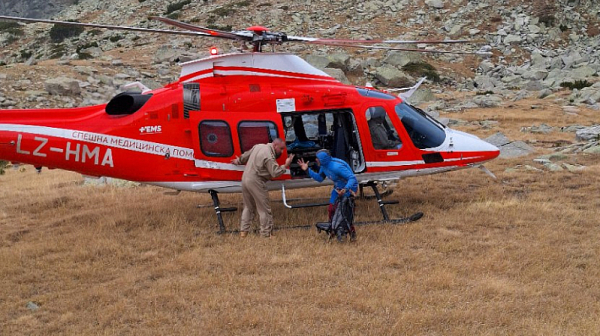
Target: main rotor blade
(93, 25)
(209, 31)
(435, 51)
(338, 42)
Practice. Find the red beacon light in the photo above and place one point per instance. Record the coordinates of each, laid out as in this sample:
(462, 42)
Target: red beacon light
(214, 51)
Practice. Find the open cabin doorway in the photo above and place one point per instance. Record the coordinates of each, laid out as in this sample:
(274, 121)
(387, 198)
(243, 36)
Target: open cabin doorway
(334, 130)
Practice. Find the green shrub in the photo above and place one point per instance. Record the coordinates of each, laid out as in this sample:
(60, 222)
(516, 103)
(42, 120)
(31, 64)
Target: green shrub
(93, 44)
(4, 25)
(548, 19)
(578, 84)
(483, 93)
(59, 32)
(115, 38)
(11, 39)
(84, 55)
(422, 69)
(11, 27)
(177, 6)
(26, 54)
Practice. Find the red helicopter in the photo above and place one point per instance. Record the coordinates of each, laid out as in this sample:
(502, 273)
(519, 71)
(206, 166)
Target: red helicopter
(184, 135)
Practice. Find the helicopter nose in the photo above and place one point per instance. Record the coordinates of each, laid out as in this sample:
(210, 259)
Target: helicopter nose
(473, 146)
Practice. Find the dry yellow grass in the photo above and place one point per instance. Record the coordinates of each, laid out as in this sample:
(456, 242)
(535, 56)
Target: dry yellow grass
(515, 256)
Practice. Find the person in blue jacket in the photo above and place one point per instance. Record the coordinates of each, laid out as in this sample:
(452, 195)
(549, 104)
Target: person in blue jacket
(338, 171)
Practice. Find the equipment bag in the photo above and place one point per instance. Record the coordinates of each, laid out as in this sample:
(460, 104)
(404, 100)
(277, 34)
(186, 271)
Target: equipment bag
(342, 222)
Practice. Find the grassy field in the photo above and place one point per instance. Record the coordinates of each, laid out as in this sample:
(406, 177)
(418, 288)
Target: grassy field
(514, 256)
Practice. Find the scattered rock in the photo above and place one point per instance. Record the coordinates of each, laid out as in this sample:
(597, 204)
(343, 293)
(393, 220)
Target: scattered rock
(32, 306)
(488, 101)
(62, 86)
(498, 139)
(337, 74)
(588, 133)
(592, 150)
(515, 149)
(542, 128)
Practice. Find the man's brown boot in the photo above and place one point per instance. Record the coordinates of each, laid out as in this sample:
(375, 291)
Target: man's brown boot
(244, 234)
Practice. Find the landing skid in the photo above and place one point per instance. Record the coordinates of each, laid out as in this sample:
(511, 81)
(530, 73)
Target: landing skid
(379, 196)
(361, 193)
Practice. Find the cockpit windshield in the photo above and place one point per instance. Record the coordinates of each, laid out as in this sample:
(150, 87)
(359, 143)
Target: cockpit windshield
(423, 130)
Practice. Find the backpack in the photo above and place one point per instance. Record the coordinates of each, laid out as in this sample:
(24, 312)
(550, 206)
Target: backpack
(342, 222)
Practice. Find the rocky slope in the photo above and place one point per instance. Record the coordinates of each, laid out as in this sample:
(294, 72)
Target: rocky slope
(537, 46)
(33, 8)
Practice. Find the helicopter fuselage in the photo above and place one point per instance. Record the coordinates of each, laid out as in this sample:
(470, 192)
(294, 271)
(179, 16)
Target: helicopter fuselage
(185, 135)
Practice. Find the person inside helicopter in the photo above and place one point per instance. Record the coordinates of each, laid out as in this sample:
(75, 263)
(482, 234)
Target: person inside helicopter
(382, 135)
(308, 132)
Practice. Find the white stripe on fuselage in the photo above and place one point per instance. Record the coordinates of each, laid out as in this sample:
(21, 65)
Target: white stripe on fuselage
(160, 149)
(135, 145)
(104, 139)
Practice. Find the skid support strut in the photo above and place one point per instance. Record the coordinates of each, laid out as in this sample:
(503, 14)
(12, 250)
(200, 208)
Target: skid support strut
(380, 201)
(218, 210)
(386, 218)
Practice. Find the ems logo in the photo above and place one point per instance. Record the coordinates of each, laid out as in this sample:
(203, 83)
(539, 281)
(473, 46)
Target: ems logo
(150, 129)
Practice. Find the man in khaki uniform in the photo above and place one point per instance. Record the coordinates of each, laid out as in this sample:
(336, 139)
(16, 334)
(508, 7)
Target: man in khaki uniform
(261, 166)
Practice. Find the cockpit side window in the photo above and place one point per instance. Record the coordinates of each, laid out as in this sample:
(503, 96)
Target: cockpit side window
(383, 133)
(423, 132)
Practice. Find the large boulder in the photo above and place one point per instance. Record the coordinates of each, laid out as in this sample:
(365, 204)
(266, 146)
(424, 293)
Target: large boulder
(335, 60)
(392, 77)
(588, 133)
(400, 59)
(422, 95)
(337, 74)
(437, 4)
(583, 72)
(488, 101)
(498, 139)
(515, 149)
(484, 83)
(166, 54)
(63, 86)
(509, 149)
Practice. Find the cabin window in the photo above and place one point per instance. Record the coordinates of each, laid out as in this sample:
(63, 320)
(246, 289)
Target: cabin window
(424, 131)
(383, 133)
(215, 138)
(256, 132)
